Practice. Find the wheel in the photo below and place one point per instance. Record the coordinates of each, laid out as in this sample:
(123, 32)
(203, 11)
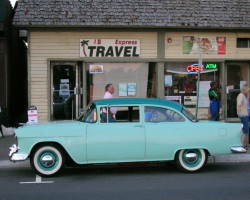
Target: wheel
(47, 160)
(191, 160)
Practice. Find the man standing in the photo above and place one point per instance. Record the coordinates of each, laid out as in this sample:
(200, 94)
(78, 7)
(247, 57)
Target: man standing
(242, 112)
(214, 102)
(109, 90)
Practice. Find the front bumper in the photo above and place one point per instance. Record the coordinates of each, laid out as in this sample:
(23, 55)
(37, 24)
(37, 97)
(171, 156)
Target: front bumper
(238, 150)
(14, 156)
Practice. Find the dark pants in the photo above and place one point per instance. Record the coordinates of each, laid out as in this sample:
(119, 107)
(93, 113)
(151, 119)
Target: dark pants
(215, 110)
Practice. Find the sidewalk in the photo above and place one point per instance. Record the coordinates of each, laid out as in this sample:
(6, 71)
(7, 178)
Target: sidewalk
(9, 140)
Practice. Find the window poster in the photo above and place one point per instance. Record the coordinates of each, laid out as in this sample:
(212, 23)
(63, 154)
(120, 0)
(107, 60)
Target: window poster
(242, 83)
(127, 89)
(190, 100)
(168, 81)
(123, 90)
(203, 94)
(64, 87)
(131, 89)
(205, 45)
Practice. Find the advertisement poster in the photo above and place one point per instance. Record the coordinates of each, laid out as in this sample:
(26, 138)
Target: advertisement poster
(123, 89)
(168, 81)
(127, 89)
(131, 89)
(203, 94)
(190, 100)
(174, 98)
(64, 87)
(96, 69)
(205, 45)
(32, 115)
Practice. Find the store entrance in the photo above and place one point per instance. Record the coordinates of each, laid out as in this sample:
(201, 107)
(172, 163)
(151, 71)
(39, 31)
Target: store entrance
(236, 78)
(66, 90)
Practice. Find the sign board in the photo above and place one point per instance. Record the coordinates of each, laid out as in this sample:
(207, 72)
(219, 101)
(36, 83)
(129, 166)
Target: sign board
(194, 68)
(110, 48)
(190, 100)
(211, 66)
(205, 45)
(203, 94)
(32, 115)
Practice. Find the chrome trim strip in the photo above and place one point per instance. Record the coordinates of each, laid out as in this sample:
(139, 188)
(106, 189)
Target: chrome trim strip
(238, 150)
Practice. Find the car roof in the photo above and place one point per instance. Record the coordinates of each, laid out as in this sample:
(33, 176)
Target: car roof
(138, 101)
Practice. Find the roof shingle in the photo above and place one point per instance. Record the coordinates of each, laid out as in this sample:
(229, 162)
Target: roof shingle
(225, 14)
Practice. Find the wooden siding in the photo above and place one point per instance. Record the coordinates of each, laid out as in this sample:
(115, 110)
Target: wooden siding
(66, 46)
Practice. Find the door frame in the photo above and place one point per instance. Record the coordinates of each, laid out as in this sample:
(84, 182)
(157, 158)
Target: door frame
(79, 88)
(240, 63)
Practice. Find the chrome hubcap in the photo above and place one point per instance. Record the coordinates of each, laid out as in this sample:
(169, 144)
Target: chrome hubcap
(191, 157)
(47, 161)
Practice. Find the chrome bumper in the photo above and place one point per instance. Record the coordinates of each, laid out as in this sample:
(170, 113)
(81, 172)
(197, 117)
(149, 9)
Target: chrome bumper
(14, 156)
(238, 150)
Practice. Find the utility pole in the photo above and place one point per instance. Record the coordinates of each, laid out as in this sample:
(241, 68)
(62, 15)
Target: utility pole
(198, 83)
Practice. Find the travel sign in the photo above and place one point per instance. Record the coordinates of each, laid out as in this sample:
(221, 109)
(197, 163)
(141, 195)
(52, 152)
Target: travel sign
(110, 48)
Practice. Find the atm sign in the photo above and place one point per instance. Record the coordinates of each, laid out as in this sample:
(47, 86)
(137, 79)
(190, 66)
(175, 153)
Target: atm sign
(211, 66)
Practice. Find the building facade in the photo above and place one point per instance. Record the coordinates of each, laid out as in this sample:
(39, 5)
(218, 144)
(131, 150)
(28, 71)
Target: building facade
(13, 75)
(150, 49)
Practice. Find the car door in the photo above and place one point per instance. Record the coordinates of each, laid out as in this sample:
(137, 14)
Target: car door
(164, 130)
(120, 141)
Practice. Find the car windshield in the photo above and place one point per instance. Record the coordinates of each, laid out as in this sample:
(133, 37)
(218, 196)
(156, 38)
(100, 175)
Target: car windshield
(188, 114)
(89, 114)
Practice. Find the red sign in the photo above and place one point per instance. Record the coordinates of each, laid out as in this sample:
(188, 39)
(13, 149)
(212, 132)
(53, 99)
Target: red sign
(194, 69)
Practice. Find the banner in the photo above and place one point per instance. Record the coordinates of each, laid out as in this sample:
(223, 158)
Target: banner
(205, 45)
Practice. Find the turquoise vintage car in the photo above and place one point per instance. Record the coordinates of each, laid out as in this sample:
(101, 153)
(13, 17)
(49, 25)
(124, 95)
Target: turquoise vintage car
(143, 130)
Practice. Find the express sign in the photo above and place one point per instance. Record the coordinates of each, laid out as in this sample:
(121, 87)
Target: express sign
(194, 68)
(109, 48)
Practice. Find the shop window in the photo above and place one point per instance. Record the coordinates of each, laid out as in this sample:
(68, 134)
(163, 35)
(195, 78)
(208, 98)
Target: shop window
(181, 85)
(243, 42)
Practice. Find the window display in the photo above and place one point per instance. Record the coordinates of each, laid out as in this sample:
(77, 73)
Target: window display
(180, 81)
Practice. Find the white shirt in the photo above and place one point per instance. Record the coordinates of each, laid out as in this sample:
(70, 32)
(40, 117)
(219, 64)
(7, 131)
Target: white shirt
(108, 95)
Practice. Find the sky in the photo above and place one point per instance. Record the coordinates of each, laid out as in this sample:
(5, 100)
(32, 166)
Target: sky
(12, 2)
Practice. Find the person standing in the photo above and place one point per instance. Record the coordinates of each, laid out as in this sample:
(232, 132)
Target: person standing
(109, 90)
(242, 112)
(214, 102)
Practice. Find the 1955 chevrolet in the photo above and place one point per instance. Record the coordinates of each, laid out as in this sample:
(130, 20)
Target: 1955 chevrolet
(144, 130)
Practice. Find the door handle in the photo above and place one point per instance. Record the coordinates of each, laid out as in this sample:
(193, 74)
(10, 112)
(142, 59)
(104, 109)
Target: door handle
(139, 126)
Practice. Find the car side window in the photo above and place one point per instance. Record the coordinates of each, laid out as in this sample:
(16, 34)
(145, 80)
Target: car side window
(123, 114)
(158, 114)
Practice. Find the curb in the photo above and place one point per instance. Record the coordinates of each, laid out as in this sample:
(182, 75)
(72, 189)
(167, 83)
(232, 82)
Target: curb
(230, 158)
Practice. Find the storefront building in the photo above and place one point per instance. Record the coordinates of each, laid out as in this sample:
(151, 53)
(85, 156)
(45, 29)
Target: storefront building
(70, 62)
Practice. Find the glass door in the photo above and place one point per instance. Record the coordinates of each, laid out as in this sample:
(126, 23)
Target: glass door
(66, 91)
(236, 78)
